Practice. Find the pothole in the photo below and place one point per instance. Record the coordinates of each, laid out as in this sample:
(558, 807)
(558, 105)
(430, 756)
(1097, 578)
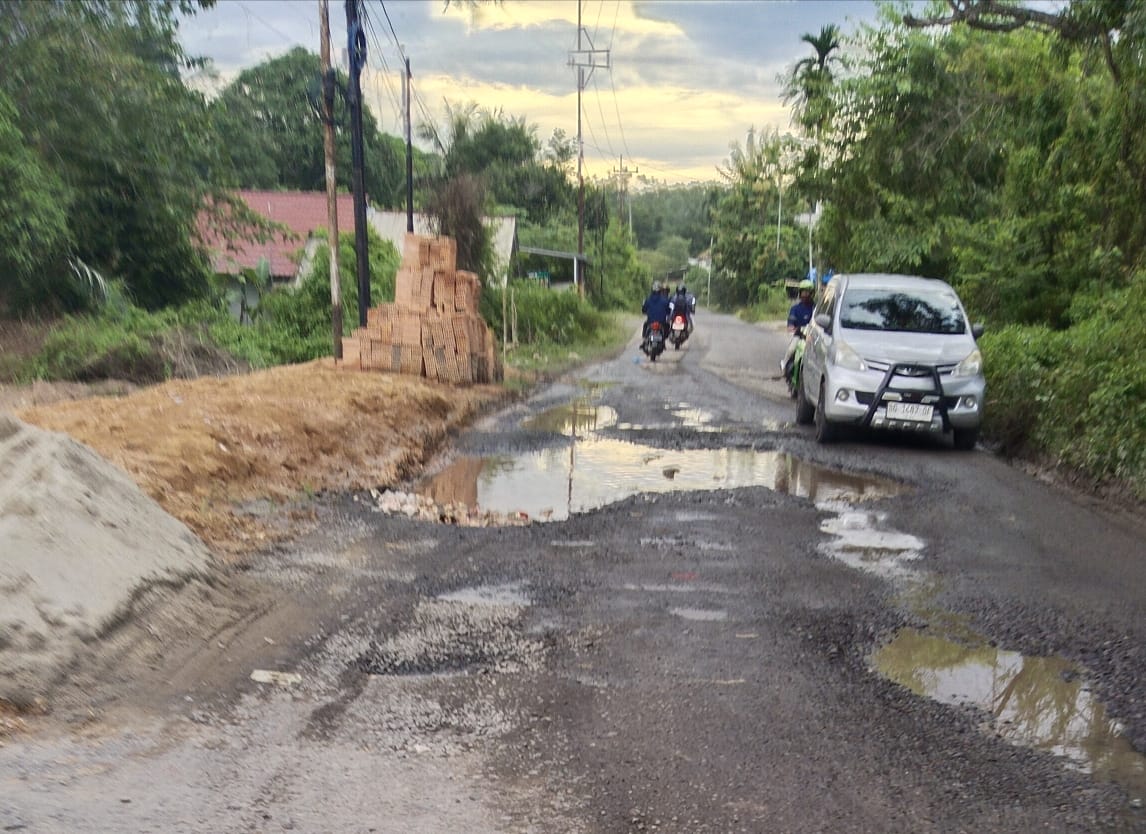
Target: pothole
(552, 484)
(863, 540)
(1039, 702)
(575, 418)
(475, 630)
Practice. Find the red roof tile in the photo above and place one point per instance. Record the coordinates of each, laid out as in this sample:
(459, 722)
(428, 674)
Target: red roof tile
(303, 212)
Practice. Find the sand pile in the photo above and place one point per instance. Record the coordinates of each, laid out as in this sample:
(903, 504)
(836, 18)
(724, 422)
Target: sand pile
(78, 540)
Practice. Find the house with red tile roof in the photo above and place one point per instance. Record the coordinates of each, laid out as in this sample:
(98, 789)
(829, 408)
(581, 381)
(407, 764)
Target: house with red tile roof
(300, 213)
(303, 213)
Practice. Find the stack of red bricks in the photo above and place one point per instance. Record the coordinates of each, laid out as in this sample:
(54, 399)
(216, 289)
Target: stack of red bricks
(433, 328)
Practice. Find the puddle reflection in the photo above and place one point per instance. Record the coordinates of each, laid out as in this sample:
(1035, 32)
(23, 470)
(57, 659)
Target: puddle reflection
(1039, 702)
(864, 541)
(575, 418)
(553, 483)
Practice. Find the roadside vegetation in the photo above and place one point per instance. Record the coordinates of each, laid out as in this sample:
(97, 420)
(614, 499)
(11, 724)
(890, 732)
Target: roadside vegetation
(1010, 163)
(999, 149)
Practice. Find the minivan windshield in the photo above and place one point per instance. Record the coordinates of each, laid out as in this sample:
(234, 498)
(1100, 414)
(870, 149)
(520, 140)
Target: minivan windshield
(919, 311)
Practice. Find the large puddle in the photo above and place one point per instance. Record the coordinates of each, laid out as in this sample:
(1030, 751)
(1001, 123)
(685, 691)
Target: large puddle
(591, 472)
(1039, 702)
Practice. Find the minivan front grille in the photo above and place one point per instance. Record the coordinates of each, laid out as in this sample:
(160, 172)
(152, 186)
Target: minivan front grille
(881, 365)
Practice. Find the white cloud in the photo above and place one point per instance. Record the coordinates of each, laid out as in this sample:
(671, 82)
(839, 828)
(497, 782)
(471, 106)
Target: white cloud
(686, 80)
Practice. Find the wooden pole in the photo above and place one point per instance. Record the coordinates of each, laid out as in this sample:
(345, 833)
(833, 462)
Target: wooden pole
(331, 184)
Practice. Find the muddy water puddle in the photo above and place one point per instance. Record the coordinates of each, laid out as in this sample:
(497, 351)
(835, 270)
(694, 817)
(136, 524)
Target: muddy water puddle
(591, 471)
(1038, 702)
(551, 484)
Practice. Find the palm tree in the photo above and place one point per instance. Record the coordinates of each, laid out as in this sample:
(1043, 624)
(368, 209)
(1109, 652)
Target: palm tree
(807, 86)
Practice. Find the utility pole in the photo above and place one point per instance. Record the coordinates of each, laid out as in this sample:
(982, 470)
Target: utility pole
(582, 59)
(408, 88)
(331, 184)
(356, 49)
(623, 175)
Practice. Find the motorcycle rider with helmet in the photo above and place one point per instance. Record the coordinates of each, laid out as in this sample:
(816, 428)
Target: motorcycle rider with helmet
(655, 308)
(684, 302)
(799, 315)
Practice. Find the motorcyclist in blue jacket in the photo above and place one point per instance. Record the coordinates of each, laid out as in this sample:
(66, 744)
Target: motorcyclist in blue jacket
(799, 315)
(655, 308)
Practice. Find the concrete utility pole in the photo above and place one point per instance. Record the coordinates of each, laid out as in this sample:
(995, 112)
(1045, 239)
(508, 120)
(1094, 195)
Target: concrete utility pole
(582, 59)
(623, 175)
(331, 184)
(356, 50)
(407, 83)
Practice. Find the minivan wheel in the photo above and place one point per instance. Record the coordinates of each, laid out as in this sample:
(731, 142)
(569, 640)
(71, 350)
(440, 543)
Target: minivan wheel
(965, 439)
(805, 411)
(826, 431)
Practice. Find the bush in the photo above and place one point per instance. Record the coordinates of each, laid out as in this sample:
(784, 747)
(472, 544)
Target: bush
(543, 315)
(1020, 363)
(772, 302)
(116, 345)
(295, 325)
(1078, 395)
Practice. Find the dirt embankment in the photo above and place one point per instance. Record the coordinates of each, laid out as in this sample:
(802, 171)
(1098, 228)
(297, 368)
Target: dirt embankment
(201, 447)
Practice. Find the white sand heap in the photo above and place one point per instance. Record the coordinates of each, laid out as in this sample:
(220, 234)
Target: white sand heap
(78, 542)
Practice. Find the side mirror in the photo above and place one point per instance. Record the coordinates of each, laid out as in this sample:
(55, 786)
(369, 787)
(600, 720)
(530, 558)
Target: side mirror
(977, 331)
(824, 321)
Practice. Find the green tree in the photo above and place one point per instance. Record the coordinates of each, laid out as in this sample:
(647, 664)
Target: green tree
(100, 105)
(808, 89)
(34, 233)
(503, 150)
(270, 133)
(748, 254)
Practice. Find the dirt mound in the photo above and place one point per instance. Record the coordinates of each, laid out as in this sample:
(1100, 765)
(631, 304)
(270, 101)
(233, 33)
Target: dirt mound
(79, 538)
(200, 447)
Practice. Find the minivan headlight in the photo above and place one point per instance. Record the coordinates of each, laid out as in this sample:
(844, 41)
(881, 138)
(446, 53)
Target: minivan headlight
(847, 358)
(972, 365)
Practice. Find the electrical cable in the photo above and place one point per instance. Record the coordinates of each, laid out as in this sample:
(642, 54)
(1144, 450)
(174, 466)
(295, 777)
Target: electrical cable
(397, 43)
(612, 82)
(385, 73)
(604, 124)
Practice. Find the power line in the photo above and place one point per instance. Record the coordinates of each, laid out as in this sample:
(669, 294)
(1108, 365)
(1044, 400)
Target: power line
(385, 73)
(415, 96)
(397, 42)
(266, 23)
(604, 124)
(612, 81)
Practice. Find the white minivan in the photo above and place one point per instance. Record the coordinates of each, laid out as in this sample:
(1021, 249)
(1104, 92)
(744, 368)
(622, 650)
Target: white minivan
(892, 352)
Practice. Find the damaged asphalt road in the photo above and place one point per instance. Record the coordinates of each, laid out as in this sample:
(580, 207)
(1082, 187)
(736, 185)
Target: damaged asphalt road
(735, 644)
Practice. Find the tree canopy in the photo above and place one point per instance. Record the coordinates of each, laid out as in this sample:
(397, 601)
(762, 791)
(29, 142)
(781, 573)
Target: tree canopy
(107, 150)
(268, 125)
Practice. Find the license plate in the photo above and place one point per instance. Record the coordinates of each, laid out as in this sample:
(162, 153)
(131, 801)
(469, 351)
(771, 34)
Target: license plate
(913, 412)
(678, 325)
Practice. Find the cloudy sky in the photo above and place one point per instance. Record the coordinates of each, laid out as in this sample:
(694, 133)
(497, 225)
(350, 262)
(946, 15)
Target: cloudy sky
(685, 79)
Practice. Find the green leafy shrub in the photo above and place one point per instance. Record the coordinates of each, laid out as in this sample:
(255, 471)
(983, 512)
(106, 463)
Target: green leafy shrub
(1020, 364)
(295, 325)
(543, 315)
(111, 345)
(772, 302)
(1077, 395)
(1100, 424)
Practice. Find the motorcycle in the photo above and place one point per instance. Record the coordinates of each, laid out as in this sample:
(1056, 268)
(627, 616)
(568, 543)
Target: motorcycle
(678, 330)
(794, 365)
(654, 341)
